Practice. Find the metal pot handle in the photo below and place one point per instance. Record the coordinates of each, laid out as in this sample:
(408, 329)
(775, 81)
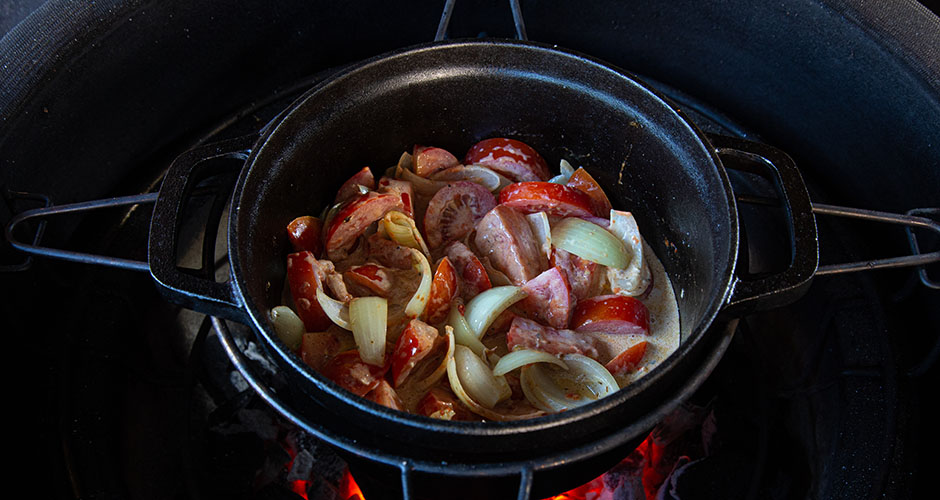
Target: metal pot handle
(774, 290)
(189, 290)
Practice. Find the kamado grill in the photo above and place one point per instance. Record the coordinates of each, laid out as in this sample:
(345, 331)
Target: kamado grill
(796, 390)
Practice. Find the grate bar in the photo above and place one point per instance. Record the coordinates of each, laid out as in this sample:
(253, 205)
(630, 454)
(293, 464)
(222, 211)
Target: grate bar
(909, 221)
(70, 255)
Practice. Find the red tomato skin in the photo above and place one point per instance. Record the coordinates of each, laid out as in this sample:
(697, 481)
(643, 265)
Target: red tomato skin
(304, 233)
(443, 290)
(465, 202)
(629, 360)
(303, 281)
(514, 159)
(350, 372)
(582, 181)
(611, 313)
(548, 197)
(371, 276)
(428, 160)
(403, 189)
(350, 188)
(354, 218)
(414, 343)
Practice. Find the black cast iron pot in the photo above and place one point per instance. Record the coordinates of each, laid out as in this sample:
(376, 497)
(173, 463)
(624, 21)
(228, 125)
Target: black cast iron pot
(650, 160)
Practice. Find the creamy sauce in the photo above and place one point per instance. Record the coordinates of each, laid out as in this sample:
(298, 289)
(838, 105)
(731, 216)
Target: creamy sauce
(663, 337)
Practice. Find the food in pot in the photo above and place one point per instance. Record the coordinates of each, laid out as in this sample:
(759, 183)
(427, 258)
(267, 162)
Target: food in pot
(481, 289)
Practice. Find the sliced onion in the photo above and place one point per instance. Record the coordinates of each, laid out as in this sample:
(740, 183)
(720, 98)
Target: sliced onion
(634, 278)
(420, 298)
(565, 175)
(463, 335)
(368, 317)
(289, 327)
(480, 174)
(555, 390)
(476, 378)
(483, 309)
(522, 357)
(542, 231)
(336, 310)
(590, 241)
(439, 372)
(422, 186)
(402, 230)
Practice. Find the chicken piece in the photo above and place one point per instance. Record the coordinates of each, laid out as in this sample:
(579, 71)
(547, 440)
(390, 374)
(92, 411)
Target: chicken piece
(529, 334)
(505, 237)
(549, 298)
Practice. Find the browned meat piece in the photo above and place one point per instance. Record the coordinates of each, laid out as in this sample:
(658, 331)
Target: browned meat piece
(505, 236)
(549, 299)
(471, 275)
(527, 333)
(583, 275)
(333, 280)
(389, 253)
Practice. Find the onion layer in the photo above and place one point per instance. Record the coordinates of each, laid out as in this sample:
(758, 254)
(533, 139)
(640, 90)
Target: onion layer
(289, 327)
(565, 175)
(368, 319)
(477, 378)
(336, 310)
(522, 357)
(463, 335)
(483, 309)
(402, 230)
(542, 231)
(476, 173)
(419, 300)
(555, 390)
(442, 368)
(590, 241)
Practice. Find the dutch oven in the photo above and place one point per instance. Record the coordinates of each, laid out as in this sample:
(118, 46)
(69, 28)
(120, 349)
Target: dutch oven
(650, 159)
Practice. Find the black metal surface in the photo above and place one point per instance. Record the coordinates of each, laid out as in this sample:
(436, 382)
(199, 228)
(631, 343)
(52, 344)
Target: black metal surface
(827, 81)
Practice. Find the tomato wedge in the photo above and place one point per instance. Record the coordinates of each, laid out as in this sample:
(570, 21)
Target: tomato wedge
(514, 159)
(472, 274)
(627, 361)
(428, 160)
(582, 181)
(549, 299)
(403, 189)
(372, 276)
(413, 345)
(385, 395)
(440, 403)
(353, 218)
(350, 188)
(454, 211)
(617, 314)
(443, 290)
(304, 233)
(303, 280)
(548, 197)
(353, 374)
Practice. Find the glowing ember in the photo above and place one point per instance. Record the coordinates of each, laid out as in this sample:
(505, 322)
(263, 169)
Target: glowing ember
(348, 489)
(642, 474)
